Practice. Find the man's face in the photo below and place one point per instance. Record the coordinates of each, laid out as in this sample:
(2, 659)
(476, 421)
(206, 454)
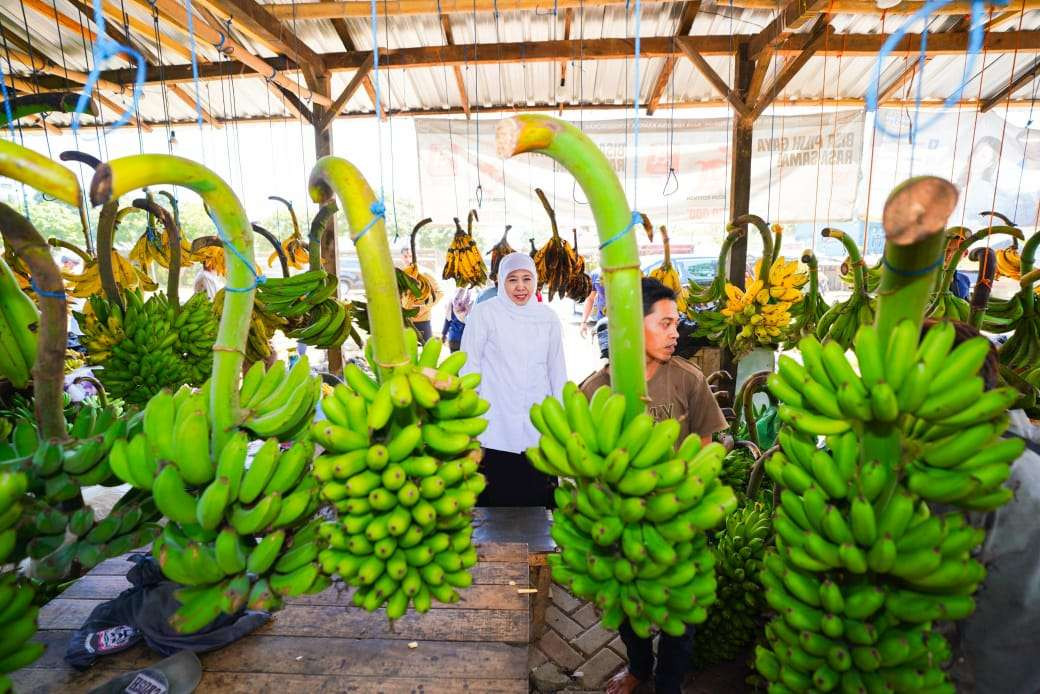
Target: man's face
(406, 256)
(661, 330)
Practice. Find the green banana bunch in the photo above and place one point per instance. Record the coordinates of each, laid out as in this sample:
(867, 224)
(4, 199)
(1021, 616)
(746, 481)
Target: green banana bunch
(631, 522)
(736, 617)
(871, 275)
(400, 465)
(18, 319)
(807, 312)
(841, 320)
(1002, 314)
(862, 567)
(952, 307)
(736, 470)
(308, 301)
(18, 623)
(1021, 352)
(148, 345)
(326, 326)
(216, 510)
(262, 325)
(278, 402)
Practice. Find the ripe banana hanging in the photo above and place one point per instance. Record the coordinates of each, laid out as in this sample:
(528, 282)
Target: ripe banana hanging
(464, 263)
(556, 261)
(501, 250)
(425, 292)
(666, 273)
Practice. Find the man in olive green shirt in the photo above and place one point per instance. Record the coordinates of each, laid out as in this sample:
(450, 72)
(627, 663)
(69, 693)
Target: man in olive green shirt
(677, 389)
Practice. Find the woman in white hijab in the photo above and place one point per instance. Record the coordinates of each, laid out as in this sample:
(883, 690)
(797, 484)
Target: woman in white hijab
(515, 343)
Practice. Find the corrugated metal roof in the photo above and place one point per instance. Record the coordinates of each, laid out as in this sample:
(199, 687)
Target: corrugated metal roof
(520, 85)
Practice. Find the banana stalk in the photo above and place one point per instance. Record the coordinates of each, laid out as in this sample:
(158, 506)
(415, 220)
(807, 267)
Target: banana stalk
(48, 102)
(60, 243)
(768, 252)
(859, 275)
(1028, 260)
(619, 257)
(987, 260)
(697, 295)
(173, 206)
(292, 213)
(321, 220)
(411, 238)
(122, 175)
(52, 335)
(946, 276)
(106, 232)
(273, 240)
(173, 231)
(336, 177)
(39, 172)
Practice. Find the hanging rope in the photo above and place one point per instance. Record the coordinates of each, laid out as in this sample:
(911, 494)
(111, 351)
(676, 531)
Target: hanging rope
(378, 209)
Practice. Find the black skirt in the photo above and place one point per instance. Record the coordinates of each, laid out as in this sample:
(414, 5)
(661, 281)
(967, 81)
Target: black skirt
(511, 481)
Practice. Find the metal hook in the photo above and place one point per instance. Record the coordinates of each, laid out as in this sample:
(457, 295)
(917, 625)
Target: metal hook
(669, 179)
(479, 192)
(574, 194)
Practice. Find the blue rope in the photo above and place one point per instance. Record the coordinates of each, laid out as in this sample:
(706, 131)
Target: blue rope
(45, 294)
(378, 210)
(258, 279)
(106, 48)
(912, 273)
(637, 218)
(975, 39)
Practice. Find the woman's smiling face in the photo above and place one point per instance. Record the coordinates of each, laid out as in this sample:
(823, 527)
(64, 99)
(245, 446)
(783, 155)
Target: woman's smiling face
(519, 286)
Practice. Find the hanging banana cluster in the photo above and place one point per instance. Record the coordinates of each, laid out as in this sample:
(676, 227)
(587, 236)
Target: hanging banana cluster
(501, 250)
(843, 319)
(19, 318)
(666, 274)
(761, 314)
(862, 567)
(557, 262)
(464, 263)
(580, 285)
(17, 610)
(294, 247)
(807, 312)
(871, 275)
(234, 536)
(262, 325)
(279, 403)
(631, 519)
(736, 617)
(154, 247)
(424, 292)
(127, 276)
(1009, 263)
(212, 258)
(400, 465)
(308, 301)
(148, 345)
(59, 531)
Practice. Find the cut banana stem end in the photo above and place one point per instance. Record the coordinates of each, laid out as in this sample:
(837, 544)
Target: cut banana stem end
(336, 177)
(619, 255)
(120, 176)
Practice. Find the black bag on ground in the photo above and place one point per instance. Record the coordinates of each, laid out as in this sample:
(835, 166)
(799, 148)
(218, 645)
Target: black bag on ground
(142, 612)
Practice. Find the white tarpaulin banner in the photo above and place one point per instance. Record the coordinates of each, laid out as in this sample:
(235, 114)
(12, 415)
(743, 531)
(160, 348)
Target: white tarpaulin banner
(994, 163)
(799, 163)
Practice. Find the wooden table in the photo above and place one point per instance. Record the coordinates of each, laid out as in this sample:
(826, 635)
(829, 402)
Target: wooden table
(320, 643)
(522, 524)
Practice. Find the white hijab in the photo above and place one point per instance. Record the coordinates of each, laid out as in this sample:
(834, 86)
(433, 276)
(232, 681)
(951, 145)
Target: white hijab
(533, 309)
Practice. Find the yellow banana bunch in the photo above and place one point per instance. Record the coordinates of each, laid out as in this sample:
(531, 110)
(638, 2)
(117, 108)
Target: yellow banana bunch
(296, 253)
(761, 314)
(154, 247)
(1008, 262)
(464, 263)
(88, 282)
(667, 275)
(212, 259)
(428, 293)
(500, 250)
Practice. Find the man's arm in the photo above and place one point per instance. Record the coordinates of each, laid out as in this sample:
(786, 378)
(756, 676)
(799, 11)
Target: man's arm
(590, 302)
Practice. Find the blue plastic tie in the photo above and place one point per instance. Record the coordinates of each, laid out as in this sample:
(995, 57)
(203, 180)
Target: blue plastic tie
(45, 294)
(378, 212)
(106, 48)
(637, 218)
(7, 103)
(258, 279)
(976, 35)
(911, 273)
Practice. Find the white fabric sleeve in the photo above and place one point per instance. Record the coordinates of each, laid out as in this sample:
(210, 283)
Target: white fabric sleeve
(557, 360)
(474, 337)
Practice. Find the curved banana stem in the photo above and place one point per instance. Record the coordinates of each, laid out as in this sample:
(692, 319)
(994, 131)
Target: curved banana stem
(122, 175)
(336, 177)
(998, 215)
(1028, 260)
(47, 102)
(745, 401)
(319, 224)
(950, 268)
(469, 221)
(619, 256)
(273, 240)
(39, 172)
(101, 392)
(953, 233)
(81, 157)
(549, 211)
(767, 242)
(91, 161)
(718, 377)
(1027, 280)
(411, 238)
(61, 243)
(173, 281)
(667, 263)
(206, 242)
(174, 205)
(914, 217)
(757, 471)
(292, 213)
(987, 260)
(859, 273)
(733, 234)
(105, 237)
(574, 234)
(52, 335)
(807, 318)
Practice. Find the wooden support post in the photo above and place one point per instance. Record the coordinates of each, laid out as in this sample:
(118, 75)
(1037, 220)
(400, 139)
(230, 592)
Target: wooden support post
(739, 188)
(322, 84)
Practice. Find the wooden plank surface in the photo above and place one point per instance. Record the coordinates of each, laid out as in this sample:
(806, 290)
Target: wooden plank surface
(321, 643)
(514, 525)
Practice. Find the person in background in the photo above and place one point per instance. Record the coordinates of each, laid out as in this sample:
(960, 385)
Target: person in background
(490, 292)
(516, 345)
(961, 283)
(595, 305)
(455, 321)
(676, 389)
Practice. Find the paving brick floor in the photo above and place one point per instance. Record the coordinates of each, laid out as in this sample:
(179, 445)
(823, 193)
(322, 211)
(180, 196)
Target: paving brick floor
(575, 655)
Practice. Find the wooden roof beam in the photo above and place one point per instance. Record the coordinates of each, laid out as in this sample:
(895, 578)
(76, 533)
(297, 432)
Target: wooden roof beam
(821, 32)
(189, 100)
(686, 17)
(257, 18)
(869, 7)
(329, 9)
(293, 102)
(568, 19)
(114, 30)
(48, 12)
(341, 100)
(148, 30)
(343, 31)
(792, 17)
(1023, 78)
(460, 83)
(731, 96)
(39, 62)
